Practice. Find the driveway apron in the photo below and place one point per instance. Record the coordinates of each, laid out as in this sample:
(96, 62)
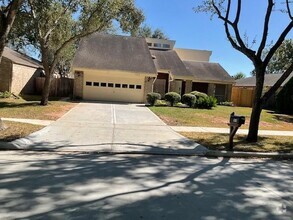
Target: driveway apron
(109, 127)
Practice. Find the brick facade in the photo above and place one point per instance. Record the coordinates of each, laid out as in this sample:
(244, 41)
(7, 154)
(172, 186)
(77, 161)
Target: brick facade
(23, 79)
(188, 86)
(78, 85)
(148, 86)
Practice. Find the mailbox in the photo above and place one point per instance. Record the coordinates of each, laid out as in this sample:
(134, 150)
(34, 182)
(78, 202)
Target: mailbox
(236, 120)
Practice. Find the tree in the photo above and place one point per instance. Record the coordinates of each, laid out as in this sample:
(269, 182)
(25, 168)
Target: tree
(225, 9)
(8, 10)
(57, 25)
(282, 59)
(239, 75)
(146, 31)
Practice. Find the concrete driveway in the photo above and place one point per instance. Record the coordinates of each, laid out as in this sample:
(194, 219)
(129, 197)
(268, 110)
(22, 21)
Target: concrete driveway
(105, 127)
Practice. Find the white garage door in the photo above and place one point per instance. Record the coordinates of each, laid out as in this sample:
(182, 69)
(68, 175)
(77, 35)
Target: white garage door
(120, 89)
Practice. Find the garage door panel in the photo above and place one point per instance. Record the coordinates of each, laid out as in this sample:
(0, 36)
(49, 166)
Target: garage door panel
(122, 89)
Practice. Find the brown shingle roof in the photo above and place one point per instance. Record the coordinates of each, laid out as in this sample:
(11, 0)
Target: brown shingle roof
(210, 72)
(170, 61)
(270, 80)
(21, 59)
(112, 52)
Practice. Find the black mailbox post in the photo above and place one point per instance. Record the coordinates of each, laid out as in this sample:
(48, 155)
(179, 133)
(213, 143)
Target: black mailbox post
(235, 122)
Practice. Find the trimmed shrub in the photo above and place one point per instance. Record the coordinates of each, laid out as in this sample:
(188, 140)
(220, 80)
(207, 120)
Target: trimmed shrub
(189, 99)
(161, 103)
(284, 100)
(5, 95)
(153, 97)
(199, 94)
(172, 98)
(206, 103)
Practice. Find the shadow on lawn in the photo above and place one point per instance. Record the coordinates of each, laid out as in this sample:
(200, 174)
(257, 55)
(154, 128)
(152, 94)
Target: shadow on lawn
(150, 187)
(18, 104)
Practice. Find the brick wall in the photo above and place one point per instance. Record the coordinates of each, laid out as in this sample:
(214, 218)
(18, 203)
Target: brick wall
(5, 74)
(148, 86)
(78, 85)
(23, 79)
(188, 86)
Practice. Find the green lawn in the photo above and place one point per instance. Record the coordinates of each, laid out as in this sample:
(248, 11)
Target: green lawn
(264, 144)
(219, 117)
(28, 107)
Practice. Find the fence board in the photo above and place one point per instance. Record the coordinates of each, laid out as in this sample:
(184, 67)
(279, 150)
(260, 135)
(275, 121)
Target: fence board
(61, 87)
(242, 96)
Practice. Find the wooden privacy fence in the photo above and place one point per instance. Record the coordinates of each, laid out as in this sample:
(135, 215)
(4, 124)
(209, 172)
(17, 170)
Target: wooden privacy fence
(60, 87)
(242, 96)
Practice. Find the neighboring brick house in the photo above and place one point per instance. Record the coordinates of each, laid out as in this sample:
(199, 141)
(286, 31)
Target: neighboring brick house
(18, 72)
(121, 68)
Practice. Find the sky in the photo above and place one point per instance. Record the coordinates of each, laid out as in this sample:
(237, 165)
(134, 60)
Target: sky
(193, 30)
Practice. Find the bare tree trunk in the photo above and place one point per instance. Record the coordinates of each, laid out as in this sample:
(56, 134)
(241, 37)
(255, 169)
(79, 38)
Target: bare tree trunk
(257, 107)
(48, 70)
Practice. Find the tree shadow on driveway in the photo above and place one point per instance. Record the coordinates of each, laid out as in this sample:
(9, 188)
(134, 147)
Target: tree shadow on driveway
(63, 186)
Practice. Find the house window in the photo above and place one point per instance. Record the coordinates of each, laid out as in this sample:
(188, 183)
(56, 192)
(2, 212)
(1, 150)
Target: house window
(110, 85)
(166, 46)
(150, 44)
(157, 45)
(138, 86)
(117, 85)
(103, 84)
(96, 84)
(124, 86)
(131, 86)
(88, 83)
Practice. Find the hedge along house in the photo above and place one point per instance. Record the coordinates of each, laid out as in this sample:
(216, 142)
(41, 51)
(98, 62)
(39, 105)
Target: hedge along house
(120, 68)
(18, 72)
(113, 68)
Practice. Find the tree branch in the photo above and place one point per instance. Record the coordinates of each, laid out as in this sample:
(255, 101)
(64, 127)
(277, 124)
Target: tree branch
(274, 88)
(55, 23)
(289, 10)
(266, 28)
(278, 43)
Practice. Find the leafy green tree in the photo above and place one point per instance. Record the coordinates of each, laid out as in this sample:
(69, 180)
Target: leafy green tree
(239, 75)
(146, 31)
(55, 26)
(230, 13)
(282, 59)
(8, 11)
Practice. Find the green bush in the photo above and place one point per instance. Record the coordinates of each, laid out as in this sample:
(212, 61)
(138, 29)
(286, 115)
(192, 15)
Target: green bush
(206, 103)
(5, 95)
(161, 103)
(199, 94)
(172, 98)
(189, 99)
(284, 100)
(152, 98)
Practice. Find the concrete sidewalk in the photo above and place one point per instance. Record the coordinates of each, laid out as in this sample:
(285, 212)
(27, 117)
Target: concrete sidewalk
(29, 121)
(227, 131)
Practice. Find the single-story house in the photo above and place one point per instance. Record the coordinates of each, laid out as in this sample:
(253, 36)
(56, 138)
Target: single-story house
(243, 90)
(122, 68)
(17, 72)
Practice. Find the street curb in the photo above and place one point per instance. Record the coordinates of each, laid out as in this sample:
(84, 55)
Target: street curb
(235, 154)
(6, 146)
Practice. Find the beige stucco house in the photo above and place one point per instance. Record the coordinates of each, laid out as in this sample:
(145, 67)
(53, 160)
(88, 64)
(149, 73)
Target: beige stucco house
(18, 72)
(121, 68)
